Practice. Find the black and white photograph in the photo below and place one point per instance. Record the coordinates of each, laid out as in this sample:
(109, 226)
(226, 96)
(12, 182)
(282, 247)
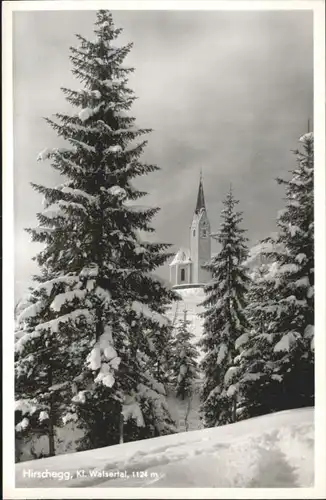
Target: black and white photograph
(164, 252)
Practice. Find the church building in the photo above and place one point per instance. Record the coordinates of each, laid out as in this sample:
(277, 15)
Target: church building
(186, 267)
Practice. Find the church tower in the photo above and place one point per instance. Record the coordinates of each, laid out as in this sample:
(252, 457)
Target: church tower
(186, 268)
(200, 241)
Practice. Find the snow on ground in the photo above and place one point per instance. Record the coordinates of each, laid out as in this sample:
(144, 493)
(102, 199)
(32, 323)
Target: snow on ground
(275, 450)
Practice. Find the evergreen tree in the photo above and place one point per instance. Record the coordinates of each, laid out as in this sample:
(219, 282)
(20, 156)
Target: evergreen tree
(224, 318)
(88, 333)
(282, 376)
(184, 360)
(253, 361)
(43, 366)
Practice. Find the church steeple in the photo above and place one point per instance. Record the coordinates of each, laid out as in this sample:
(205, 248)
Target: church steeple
(186, 269)
(200, 244)
(200, 197)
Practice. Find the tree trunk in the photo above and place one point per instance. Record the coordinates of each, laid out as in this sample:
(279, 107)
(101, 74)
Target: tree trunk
(51, 431)
(121, 424)
(234, 410)
(187, 414)
(99, 328)
(51, 437)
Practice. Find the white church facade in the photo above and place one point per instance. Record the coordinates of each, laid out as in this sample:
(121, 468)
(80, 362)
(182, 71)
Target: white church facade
(186, 268)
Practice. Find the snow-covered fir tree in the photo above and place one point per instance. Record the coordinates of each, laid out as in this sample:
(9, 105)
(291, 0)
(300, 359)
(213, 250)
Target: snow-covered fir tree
(89, 333)
(253, 361)
(224, 319)
(183, 360)
(277, 361)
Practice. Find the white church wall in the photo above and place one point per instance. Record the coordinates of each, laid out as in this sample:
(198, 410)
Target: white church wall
(200, 247)
(204, 256)
(185, 269)
(194, 250)
(173, 275)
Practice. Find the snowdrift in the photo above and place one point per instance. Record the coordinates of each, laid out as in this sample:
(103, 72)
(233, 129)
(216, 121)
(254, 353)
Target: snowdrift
(274, 450)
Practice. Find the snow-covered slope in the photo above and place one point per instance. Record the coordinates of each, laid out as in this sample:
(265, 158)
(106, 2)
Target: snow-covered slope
(274, 450)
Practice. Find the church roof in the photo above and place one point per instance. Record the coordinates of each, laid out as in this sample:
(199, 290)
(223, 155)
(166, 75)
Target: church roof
(200, 197)
(181, 257)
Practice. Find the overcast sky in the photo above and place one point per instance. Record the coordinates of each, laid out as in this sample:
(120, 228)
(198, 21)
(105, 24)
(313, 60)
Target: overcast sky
(226, 92)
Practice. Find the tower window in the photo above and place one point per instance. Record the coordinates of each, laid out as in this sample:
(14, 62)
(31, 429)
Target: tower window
(204, 233)
(183, 275)
(194, 233)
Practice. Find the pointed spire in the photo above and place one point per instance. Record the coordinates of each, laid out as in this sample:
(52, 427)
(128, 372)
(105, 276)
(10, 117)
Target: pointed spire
(200, 197)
